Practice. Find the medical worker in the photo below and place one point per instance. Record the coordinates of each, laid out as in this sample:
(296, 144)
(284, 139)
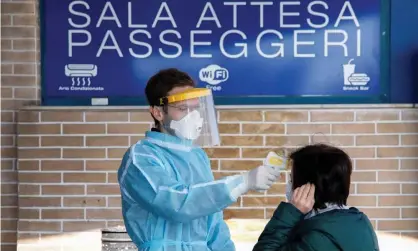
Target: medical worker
(170, 200)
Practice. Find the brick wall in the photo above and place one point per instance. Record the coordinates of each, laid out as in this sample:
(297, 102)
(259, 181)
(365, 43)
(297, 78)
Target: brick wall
(68, 162)
(19, 87)
(68, 158)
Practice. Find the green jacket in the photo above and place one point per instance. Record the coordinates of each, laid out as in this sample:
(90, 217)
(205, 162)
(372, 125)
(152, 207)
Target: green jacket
(343, 230)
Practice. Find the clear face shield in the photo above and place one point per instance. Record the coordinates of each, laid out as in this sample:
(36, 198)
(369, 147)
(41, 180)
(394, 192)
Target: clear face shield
(191, 115)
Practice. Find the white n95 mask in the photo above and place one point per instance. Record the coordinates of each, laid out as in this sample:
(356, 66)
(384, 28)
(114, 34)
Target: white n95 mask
(189, 127)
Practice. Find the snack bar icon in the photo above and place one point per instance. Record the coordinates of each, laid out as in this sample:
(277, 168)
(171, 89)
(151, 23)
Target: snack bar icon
(85, 71)
(353, 78)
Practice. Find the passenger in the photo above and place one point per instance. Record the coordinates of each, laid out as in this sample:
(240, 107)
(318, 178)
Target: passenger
(317, 217)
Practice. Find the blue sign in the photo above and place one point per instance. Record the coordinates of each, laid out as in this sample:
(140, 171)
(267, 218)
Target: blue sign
(252, 49)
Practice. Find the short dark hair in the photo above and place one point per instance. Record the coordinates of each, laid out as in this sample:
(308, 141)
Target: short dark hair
(163, 82)
(159, 85)
(328, 168)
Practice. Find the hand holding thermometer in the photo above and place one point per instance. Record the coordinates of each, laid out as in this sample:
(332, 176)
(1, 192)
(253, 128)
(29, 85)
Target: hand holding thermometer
(276, 161)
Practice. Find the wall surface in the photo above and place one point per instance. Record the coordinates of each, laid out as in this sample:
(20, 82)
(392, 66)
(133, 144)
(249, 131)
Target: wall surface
(68, 158)
(19, 87)
(68, 162)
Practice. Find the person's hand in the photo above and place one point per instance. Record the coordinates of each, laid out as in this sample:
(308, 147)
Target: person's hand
(261, 178)
(303, 198)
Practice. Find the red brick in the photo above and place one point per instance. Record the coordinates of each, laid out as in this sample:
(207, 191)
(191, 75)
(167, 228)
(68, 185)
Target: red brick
(397, 127)
(392, 152)
(84, 177)
(263, 128)
(376, 115)
(131, 128)
(6, 20)
(28, 214)
(331, 116)
(28, 69)
(62, 165)
(107, 116)
(62, 140)
(61, 116)
(363, 176)
(62, 189)
(410, 114)
(398, 200)
(29, 116)
(6, 92)
(228, 128)
(7, 164)
(84, 153)
(102, 165)
(18, 32)
(140, 117)
(263, 201)
(401, 225)
(26, 189)
(84, 201)
(25, 93)
(84, 128)
(39, 129)
(39, 226)
(287, 140)
(376, 188)
(222, 152)
(359, 201)
(114, 201)
(243, 213)
(39, 201)
(18, 57)
(409, 188)
(82, 226)
(240, 116)
(105, 214)
(8, 188)
(24, 20)
(374, 140)
(112, 178)
(107, 140)
(14, 80)
(61, 213)
(108, 189)
(409, 164)
(286, 116)
(308, 128)
(116, 153)
(18, 8)
(241, 140)
(8, 152)
(7, 140)
(397, 176)
(37, 177)
(353, 128)
(27, 141)
(7, 116)
(377, 164)
(28, 165)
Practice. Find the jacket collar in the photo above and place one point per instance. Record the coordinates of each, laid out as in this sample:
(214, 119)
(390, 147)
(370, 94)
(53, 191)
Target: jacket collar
(165, 140)
(328, 208)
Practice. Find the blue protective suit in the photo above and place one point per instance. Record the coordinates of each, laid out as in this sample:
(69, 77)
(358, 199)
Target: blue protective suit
(170, 200)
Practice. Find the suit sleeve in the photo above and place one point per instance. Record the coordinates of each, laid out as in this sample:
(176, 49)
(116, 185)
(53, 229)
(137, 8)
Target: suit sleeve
(144, 180)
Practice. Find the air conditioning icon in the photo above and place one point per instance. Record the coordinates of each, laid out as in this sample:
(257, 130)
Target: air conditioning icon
(83, 71)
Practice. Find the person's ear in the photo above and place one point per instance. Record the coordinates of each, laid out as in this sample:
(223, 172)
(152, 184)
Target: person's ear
(156, 113)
